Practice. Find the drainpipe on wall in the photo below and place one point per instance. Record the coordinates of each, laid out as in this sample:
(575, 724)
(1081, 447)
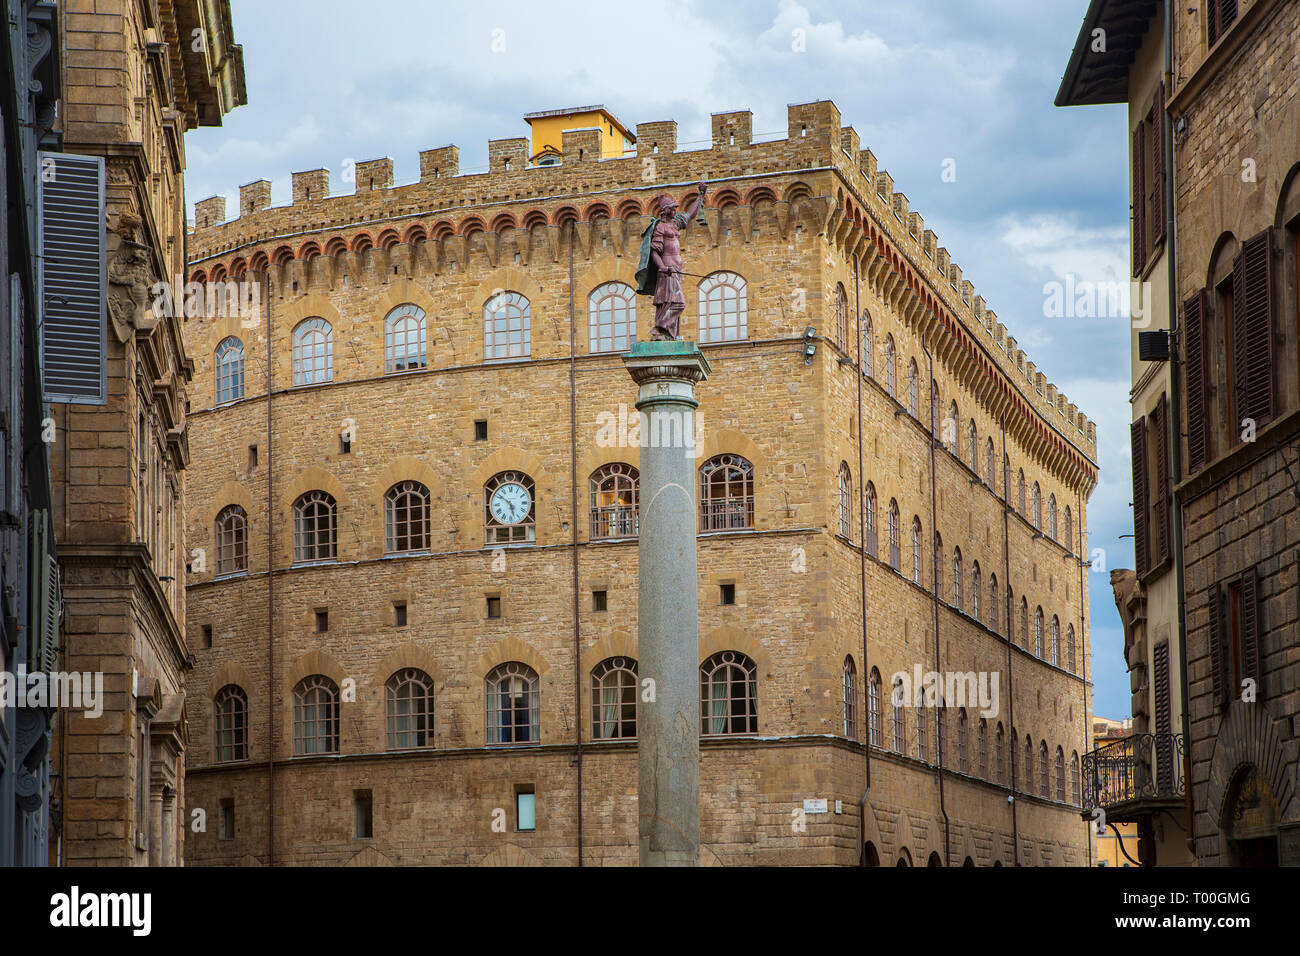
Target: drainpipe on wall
(1175, 439)
(573, 502)
(862, 566)
(1083, 656)
(1011, 627)
(938, 666)
(270, 591)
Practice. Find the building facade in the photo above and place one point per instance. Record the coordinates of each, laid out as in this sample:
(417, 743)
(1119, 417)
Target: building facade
(28, 577)
(136, 76)
(1218, 147)
(413, 495)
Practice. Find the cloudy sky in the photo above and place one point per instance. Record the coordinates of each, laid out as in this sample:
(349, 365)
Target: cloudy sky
(1039, 194)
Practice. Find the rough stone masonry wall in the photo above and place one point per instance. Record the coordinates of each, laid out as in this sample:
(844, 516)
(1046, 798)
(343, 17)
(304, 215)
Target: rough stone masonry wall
(796, 619)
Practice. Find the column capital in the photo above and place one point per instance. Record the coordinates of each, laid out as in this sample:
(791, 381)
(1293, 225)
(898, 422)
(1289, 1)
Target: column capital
(681, 360)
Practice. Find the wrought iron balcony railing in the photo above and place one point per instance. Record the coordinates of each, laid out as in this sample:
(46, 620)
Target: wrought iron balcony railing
(1137, 768)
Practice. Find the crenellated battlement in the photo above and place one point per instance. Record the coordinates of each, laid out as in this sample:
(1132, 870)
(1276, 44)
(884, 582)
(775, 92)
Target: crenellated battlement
(445, 204)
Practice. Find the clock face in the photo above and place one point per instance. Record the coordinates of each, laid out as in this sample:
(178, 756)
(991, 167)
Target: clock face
(511, 503)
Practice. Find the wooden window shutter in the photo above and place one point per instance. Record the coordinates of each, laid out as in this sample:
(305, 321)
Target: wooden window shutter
(1212, 22)
(1162, 480)
(1252, 346)
(1162, 713)
(1198, 433)
(1139, 201)
(1156, 119)
(1141, 506)
(73, 279)
(1219, 662)
(1250, 650)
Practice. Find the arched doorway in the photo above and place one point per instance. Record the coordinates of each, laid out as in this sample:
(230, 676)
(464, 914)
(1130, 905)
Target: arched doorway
(934, 860)
(1249, 823)
(870, 856)
(968, 862)
(904, 858)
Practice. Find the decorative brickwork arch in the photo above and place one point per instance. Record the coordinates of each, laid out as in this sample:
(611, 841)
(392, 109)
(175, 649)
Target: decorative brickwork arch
(1248, 736)
(509, 855)
(231, 672)
(510, 649)
(618, 643)
(403, 468)
(507, 458)
(313, 662)
(408, 655)
(495, 282)
(728, 638)
(596, 457)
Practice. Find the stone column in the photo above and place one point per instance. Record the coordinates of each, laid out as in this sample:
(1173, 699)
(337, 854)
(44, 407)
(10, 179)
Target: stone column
(668, 729)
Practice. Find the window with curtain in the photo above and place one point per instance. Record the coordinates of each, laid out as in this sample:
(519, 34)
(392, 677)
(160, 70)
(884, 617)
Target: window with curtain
(513, 705)
(408, 709)
(614, 699)
(728, 694)
(315, 716)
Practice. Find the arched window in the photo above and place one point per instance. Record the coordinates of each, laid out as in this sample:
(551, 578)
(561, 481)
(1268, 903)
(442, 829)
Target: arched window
(934, 408)
(408, 709)
(899, 722)
(973, 446)
(994, 595)
(1069, 530)
(726, 493)
(891, 367)
(1060, 775)
(989, 474)
(406, 518)
(615, 501)
(976, 586)
(913, 390)
(916, 550)
(313, 352)
(1074, 778)
(315, 528)
(951, 426)
(938, 564)
(405, 345)
(846, 500)
(1069, 648)
(510, 509)
(316, 716)
(1000, 749)
(850, 698)
(728, 694)
(895, 559)
(869, 517)
(1051, 517)
(232, 540)
(507, 327)
(1038, 507)
(873, 708)
(1038, 632)
(514, 705)
(611, 317)
(956, 578)
(1044, 779)
(1024, 623)
(841, 317)
(613, 699)
(1056, 640)
(230, 370)
(922, 734)
(230, 724)
(723, 309)
(963, 750)
(1027, 771)
(982, 746)
(1021, 485)
(868, 347)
